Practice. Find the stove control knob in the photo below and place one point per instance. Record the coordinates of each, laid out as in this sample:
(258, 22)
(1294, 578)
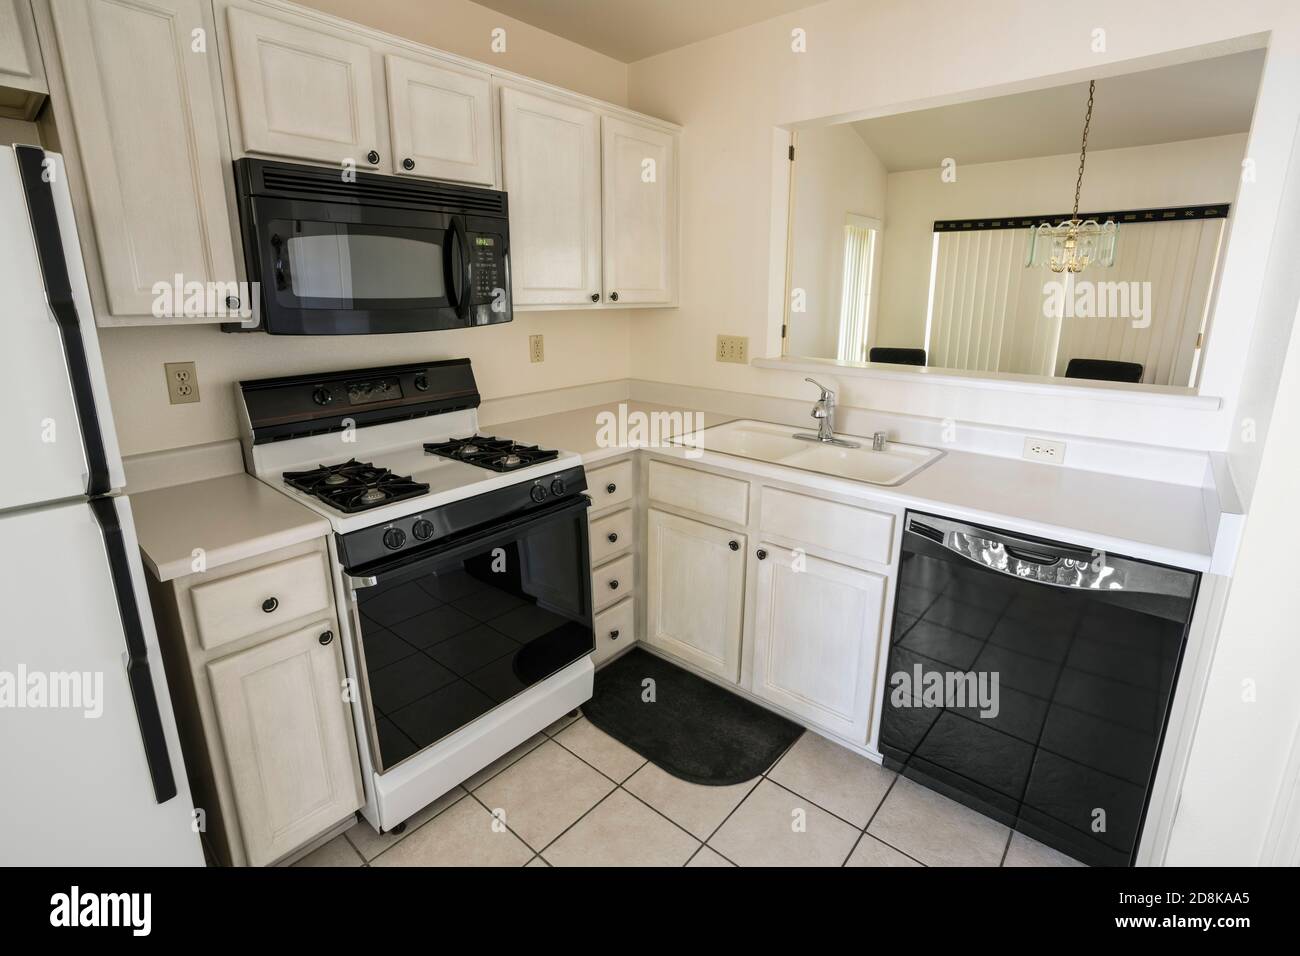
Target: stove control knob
(538, 494)
(557, 487)
(394, 538)
(422, 529)
(322, 396)
(422, 382)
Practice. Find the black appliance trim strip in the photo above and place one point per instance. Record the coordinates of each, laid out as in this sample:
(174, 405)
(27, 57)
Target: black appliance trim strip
(58, 292)
(138, 672)
(1121, 216)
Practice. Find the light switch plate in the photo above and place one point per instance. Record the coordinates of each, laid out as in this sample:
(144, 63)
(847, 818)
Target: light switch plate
(733, 348)
(182, 382)
(1042, 449)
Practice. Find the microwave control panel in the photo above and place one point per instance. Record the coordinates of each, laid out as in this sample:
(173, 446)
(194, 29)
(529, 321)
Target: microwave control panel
(486, 254)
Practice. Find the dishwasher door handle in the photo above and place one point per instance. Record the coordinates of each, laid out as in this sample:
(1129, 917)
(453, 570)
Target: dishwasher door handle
(1054, 565)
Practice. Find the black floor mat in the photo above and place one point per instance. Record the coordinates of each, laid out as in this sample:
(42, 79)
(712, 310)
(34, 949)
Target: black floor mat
(693, 729)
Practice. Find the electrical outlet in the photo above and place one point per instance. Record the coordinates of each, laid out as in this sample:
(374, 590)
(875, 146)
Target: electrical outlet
(182, 382)
(536, 349)
(733, 348)
(1040, 449)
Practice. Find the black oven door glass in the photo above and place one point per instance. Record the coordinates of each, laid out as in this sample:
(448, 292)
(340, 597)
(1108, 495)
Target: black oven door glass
(447, 638)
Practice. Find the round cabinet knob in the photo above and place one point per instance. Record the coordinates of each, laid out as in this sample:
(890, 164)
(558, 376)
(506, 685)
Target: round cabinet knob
(611, 488)
(613, 585)
(394, 538)
(613, 297)
(270, 604)
(613, 635)
(538, 493)
(557, 487)
(595, 297)
(232, 302)
(733, 545)
(322, 396)
(613, 537)
(325, 638)
(422, 529)
(372, 158)
(408, 164)
(421, 382)
(762, 555)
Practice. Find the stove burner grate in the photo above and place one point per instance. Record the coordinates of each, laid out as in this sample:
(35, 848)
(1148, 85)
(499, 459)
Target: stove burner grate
(498, 454)
(354, 486)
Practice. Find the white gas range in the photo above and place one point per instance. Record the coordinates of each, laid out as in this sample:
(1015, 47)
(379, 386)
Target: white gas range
(461, 567)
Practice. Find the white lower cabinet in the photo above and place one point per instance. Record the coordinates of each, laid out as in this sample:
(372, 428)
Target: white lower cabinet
(289, 746)
(817, 625)
(696, 592)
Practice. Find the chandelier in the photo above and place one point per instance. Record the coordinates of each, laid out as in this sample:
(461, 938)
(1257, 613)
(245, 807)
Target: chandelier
(1074, 244)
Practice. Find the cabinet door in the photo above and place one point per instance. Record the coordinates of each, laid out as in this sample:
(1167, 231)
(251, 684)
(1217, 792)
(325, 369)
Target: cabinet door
(696, 585)
(640, 201)
(288, 740)
(816, 628)
(22, 74)
(550, 155)
(441, 121)
(302, 93)
(144, 111)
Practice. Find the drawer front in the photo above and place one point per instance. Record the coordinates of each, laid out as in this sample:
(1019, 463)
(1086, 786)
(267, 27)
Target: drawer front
(844, 531)
(700, 491)
(615, 629)
(610, 535)
(611, 485)
(244, 604)
(610, 582)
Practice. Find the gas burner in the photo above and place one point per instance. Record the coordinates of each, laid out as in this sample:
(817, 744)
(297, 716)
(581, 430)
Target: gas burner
(354, 486)
(498, 454)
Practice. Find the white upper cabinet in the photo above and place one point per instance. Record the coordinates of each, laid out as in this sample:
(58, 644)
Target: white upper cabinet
(303, 93)
(640, 204)
(144, 112)
(22, 74)
(551, 162)
(817, 626)
(440, 120)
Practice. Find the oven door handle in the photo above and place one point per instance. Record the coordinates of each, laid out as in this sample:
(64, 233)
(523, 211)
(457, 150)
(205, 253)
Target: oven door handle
(1054, 565)
(360, 581)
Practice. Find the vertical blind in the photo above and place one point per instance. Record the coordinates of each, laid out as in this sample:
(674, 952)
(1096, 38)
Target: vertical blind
(855, 297)
(986, 309)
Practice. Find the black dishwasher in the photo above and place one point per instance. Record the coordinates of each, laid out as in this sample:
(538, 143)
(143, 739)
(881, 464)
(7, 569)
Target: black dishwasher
(1032, 680)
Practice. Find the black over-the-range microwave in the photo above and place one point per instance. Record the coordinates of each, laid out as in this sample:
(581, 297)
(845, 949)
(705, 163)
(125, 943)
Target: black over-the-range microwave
(337, 252)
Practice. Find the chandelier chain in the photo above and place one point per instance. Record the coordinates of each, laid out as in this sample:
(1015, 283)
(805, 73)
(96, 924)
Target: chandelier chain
(1083, 149)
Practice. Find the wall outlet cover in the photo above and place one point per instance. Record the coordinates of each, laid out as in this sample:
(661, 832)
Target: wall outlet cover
(733, 348)
(1043, 449)
(536, 349)
(182, 382)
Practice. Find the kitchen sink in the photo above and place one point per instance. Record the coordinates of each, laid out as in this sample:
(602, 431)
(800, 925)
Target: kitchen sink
(776, 444)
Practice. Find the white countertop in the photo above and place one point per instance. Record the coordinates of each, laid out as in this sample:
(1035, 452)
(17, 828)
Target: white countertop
(230, 518)
(1135, 517)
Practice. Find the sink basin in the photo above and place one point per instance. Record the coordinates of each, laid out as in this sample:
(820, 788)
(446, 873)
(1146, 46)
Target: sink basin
(776, 444)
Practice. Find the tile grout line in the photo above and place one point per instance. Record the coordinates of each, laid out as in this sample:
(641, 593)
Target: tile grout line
(403, 836)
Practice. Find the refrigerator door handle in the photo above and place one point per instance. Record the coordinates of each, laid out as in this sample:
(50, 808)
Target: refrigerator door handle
(138, 672)
(33, 169)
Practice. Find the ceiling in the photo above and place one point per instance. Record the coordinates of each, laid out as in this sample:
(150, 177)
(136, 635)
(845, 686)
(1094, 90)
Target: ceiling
(1211, 97)
(631, 30)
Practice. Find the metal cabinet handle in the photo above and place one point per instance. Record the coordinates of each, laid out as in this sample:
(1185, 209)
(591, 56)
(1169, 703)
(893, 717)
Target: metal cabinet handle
(325, 638)
(613, 635)
(613, 536)
(611, 488)
(270, 604)
(733, 545)
(762, 555)
(613, 585)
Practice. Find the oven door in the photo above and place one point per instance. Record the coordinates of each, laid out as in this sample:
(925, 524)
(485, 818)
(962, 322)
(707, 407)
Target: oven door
(345, 268)
(445, 636)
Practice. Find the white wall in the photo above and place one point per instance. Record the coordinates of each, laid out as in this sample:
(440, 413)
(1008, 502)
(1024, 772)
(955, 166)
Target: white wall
(835, 173)
(1193, 172)
(732, 91)
(580, 347)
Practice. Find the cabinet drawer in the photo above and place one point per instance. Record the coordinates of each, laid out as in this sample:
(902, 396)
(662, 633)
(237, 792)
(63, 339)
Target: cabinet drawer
(244, 604)
(842, 530)
(609, 582)
(610, 535)
(611, 485)
(700, 491)
(615, 629)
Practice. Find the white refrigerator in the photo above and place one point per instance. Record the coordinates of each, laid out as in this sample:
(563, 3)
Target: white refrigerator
(90, 762)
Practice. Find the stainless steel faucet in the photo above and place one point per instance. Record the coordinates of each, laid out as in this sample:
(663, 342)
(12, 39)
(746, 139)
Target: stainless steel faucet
(824, 411)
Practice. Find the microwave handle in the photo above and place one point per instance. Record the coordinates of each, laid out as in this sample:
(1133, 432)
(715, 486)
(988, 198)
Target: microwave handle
(466, 294)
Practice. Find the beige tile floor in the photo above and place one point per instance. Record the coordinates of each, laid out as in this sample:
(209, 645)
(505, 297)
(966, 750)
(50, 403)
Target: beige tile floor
(574, 796)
